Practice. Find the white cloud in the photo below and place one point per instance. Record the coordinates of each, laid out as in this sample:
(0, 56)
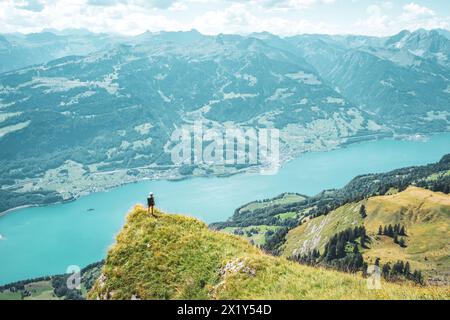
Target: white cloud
(415, 16)
(376, 22)
(412, 17)
(160, 4)
(284, 17)
(414, 11)
(285, 4)
(239, 19)
(61, 14)
(387, 5)
(31, 5)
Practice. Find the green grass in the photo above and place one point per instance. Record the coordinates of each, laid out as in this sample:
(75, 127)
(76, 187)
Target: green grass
(315, 233)
(257, 238)
(8, 295)
(287, 215)
(425, 214)
(44, 290)
(283, 199)
(436, 176)
(177, 257)
(40, 290)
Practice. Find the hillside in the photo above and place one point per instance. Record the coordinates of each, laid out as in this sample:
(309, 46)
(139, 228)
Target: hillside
(424, 214)
(177, 257)
(19, 50)
(113, 111)
(113, 102)
(52, 287)
(285, 211)
(403, 79)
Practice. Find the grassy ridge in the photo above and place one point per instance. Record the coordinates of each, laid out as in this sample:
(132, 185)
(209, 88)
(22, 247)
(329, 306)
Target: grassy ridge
(425, 214)
(315, 233)
(176, 257)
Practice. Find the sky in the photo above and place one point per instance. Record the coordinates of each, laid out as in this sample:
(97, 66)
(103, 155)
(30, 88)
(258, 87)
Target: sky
(281, 17)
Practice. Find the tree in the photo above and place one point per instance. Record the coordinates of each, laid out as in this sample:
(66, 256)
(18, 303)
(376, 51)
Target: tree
(417, 277)
(390, 231)
(363, 237)
(362, 211)
(274, 241)
(407, 269)
(386, 271)
(402, 243)
(365, 267)
(402, 231)
(397, 228)
(340, 248)
(380, 231)
(331, 255)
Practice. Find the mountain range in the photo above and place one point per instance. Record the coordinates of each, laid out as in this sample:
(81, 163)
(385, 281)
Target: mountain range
(96, 110)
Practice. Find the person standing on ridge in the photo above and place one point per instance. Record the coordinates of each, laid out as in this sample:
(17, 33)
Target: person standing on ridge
(150, 203)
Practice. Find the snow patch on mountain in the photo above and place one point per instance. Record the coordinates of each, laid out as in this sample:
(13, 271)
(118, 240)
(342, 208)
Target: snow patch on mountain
(333, 100)
(8, 115)
(160, 76)
(252, 80)
(244, 96)
(144, 128)
(16, 127)
(304, 101)
(437, 115)
(164, 97)
(387, 83)
(56, 84)
(280, 94)
(306, 78)
(448, 89)
(61, 84)
(76, 99)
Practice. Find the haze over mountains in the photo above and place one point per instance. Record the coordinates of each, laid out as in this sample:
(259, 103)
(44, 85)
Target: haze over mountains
(97, 110)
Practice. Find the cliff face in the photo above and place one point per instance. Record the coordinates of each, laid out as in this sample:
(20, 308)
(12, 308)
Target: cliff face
(177, 257)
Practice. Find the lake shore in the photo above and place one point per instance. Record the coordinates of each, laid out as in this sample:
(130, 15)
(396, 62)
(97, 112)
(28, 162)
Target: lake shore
(118, 178)
(84, 236)
(202, 172)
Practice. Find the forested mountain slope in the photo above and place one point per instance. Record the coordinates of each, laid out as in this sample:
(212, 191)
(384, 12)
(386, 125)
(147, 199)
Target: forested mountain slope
(399, 216)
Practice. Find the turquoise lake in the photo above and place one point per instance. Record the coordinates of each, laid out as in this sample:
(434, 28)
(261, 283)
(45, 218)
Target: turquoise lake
(46, 240)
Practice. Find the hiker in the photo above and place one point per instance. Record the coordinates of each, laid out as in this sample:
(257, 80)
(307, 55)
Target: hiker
(150, 203)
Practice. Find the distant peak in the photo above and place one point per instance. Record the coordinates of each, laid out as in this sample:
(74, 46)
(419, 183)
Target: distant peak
(263, 35)
(195, 31)
(41, 36)
(404, 33)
